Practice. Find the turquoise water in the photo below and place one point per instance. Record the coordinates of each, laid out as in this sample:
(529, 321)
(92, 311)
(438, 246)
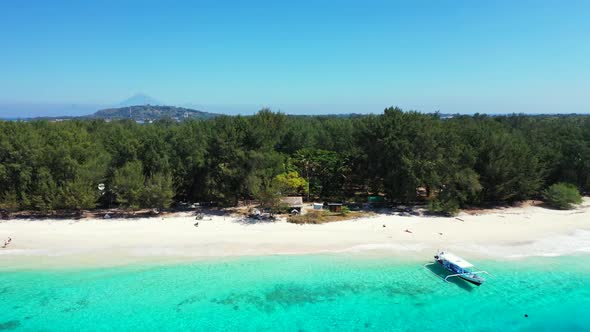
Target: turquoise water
(299, 293)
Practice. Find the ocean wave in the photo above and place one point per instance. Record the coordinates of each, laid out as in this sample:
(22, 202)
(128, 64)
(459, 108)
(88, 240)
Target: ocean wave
(24, 252)
(381, 247)
(552, 246)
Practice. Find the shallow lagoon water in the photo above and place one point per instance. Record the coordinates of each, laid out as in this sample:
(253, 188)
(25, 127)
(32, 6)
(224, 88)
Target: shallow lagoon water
(299, 293)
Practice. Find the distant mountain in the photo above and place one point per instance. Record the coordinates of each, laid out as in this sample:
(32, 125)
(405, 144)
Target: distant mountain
(146, 113)
(139, 99)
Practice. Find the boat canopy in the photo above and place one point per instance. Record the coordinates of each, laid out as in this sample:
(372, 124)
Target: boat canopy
(453, 259)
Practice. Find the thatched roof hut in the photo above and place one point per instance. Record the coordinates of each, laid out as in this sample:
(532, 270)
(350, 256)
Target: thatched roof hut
(293, 201)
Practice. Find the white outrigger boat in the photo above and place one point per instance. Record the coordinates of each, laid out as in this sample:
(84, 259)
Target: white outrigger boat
(458, 267)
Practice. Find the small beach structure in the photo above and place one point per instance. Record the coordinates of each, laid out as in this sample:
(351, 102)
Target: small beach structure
(335, 207)
(376, 201)
(293, 202)
(318, 206)
(458, 267)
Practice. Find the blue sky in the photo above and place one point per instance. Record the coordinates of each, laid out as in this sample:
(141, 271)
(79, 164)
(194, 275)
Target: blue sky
(297, 56)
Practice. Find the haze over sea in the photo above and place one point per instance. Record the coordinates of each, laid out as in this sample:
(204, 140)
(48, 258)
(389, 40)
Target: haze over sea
(299, 293)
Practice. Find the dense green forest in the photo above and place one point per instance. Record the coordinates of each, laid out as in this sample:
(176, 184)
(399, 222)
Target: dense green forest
(459, 161)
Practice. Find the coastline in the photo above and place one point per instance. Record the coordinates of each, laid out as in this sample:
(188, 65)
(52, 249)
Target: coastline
(499, 234)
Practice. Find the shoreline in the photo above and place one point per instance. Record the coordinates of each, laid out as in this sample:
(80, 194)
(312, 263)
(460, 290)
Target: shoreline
(500, 234)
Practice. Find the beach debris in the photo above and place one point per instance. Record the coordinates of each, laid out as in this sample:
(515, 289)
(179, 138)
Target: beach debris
(7, 242)
(439, 233)
(383, 226)
(196, 224)
(459, 219)
(254, 213)
(408, 231)
(107, 216)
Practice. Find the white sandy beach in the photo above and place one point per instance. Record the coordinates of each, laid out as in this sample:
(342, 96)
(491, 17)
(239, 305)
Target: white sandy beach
(508, 233)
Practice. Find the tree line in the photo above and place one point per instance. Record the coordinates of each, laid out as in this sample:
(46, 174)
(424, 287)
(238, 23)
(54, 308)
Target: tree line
(458, 161)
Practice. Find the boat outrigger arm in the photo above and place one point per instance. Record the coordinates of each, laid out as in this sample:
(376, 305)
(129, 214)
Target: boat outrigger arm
(464, 274)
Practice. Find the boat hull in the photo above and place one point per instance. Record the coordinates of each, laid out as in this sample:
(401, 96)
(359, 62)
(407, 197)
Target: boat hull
(472, 281)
